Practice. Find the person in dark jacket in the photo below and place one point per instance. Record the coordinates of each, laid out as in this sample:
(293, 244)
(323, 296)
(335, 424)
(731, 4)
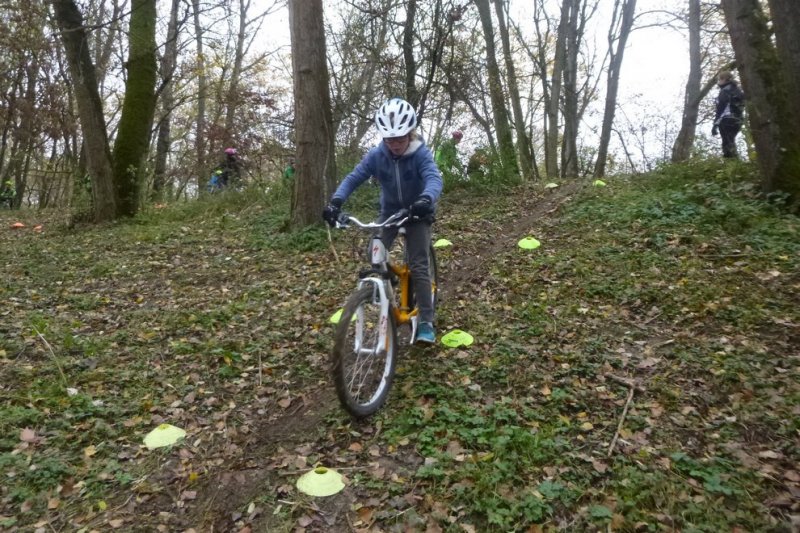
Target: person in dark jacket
(409, 179)
(729, 110)
(229, 168)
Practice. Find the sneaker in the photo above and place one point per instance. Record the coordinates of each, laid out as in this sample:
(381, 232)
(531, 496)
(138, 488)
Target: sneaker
(426, 333)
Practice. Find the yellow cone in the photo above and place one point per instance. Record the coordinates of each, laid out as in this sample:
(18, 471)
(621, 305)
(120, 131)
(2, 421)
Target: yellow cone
(529, 243)
(163, 435)
(320, 482)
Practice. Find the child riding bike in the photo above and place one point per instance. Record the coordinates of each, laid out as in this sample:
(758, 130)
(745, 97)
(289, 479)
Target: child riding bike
(409, 179)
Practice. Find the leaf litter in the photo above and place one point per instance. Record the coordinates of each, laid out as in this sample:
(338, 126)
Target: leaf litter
(193, 325)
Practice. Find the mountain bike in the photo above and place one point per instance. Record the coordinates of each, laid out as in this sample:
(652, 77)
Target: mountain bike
(366, 344)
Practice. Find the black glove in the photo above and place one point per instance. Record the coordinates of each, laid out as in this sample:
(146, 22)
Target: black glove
(715, 130)
(332, 211)
(422, 207)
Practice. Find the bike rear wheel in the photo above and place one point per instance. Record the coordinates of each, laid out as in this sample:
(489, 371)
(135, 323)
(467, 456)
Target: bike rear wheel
(363, 371)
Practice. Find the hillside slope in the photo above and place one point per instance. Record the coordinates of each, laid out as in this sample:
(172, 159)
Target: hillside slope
(638, 371)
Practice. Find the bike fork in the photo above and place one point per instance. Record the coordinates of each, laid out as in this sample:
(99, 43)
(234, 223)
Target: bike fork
(380, 295)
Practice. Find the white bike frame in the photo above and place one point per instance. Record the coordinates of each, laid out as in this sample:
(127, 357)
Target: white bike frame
(382, 289)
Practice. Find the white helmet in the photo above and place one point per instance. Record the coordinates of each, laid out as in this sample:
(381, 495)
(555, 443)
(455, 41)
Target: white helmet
(395, 118)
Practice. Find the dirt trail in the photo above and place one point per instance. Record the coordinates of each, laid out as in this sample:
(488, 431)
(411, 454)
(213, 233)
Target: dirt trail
(226, 493)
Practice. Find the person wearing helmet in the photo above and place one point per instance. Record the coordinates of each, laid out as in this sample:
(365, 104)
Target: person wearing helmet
(409, 179)
(229, 168)
(447, 158)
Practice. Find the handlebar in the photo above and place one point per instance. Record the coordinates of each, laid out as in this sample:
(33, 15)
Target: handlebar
(395, 220)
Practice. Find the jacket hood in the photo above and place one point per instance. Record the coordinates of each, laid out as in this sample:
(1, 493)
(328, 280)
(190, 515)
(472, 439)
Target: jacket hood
(413, 146)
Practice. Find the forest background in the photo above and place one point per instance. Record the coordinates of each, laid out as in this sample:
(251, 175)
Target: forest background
(109, 105)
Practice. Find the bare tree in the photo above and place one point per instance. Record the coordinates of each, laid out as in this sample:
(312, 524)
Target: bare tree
(202, 95)
(168, 62)
(523, 141)
(553, 100)
(313, 122)
(622, 22)
(502, 123)
(133, 137)
(90, 108)
(691, 101)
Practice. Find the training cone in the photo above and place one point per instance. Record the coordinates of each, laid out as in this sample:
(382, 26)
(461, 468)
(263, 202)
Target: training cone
(529, 243)
(163, 435)
(17, 225)
(457, 338)
(320, 482)
(441, 243)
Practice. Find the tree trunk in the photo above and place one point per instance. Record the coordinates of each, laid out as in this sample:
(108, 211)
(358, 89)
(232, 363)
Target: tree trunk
(236, 73)
(786, 24)
(408, 54)
(523, 142)
(26, 133)
(505, 140)
(90, 108)
(553, 105)
(769, 103)
(133, 137)
(313, 121)
(682, 147)
(202, 97)
(614, 69)
(569, 148)
(164, 139)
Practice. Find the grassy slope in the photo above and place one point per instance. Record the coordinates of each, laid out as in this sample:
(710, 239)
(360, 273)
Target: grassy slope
(205, 316)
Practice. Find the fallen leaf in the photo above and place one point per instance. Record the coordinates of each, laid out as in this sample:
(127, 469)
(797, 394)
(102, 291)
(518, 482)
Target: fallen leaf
(365, 515)
(769, 454)
(53, 503)
(792, 475)
(355, 447)
(27, 435)
(648, 362)
(285, 402)
(89, 451)
(116, 523)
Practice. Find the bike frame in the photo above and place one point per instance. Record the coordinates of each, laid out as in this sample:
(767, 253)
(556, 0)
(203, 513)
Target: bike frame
(381, 286)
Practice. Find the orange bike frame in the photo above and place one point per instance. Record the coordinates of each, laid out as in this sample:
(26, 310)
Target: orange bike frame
(402, 314)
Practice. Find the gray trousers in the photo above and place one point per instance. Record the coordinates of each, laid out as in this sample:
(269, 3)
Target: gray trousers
(418, 241)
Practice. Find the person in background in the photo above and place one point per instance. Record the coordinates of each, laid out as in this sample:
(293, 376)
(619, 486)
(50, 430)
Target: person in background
(288, 173)
(7, 194)
(229, 167)
(729, 111)
(409, 179)
(447, 158)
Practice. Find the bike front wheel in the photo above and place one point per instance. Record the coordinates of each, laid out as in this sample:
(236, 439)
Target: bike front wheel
(363, 360)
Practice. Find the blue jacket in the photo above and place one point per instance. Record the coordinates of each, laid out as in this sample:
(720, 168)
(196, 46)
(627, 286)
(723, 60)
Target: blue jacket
(403, 179)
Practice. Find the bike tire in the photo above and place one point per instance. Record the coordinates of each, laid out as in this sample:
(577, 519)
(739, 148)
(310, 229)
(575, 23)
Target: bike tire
(363, 380)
